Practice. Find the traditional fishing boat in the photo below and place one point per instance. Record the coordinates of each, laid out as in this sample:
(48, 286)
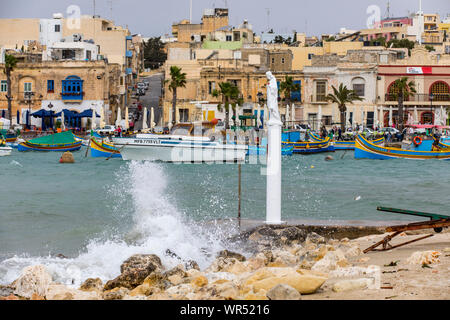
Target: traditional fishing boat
(63, 141)
(187, 142)
(420, 149)
(103, 149)
(316, 145)
(286, 150)
(350, 145)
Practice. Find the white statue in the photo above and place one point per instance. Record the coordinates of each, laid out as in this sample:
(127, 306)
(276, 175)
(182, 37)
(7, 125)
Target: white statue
(272, 100)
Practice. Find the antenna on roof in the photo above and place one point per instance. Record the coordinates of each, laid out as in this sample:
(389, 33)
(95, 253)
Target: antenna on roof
(111, 9)
(268, 18)
(190, 11)
(388, 10)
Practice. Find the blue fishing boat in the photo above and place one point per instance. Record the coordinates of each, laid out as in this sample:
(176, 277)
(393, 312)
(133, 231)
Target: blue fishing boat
(350, 145)
(421, 150)
(316, 145)
(102, 149)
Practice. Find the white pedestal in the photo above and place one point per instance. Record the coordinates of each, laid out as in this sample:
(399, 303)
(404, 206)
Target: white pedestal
(273, 193)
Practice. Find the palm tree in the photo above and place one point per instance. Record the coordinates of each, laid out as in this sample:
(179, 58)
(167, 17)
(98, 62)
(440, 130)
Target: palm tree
(230, 96)
(402, 90)
(287, 87)
(177, 80)
(10, 64)
(342, 96)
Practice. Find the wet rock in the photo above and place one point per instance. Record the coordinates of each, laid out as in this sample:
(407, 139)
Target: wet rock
(257, 262)
(283, 292)
(143, 290)
(221, 264)
(352, 284)
(6, 291)
(62, 292)
(191, 264)
(92, 284)
(115, 294)
(424, 257)
(293, 234)
(158, 280)
(230, 254)
(180, 292)
(150, 262)
(134, 271)
(314, 238)
(226, 290)
(34, 279)
(178, 270)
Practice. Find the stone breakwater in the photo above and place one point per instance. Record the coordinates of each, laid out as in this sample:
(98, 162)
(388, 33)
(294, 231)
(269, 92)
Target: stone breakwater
(284, 263)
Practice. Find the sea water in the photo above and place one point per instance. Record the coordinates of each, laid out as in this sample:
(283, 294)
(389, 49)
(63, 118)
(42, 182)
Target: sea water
(99, 212)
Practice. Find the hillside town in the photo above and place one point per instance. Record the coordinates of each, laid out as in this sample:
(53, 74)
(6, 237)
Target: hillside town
(98, 66)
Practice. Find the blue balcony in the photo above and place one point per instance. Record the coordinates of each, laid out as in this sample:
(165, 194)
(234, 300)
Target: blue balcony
(129, 38)
(129, 54)
(128, 71)
(72, 88)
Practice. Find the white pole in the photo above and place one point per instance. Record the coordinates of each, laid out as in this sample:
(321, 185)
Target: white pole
(273, 192)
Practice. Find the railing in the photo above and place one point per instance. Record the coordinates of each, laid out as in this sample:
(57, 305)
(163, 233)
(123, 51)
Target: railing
(420, 97)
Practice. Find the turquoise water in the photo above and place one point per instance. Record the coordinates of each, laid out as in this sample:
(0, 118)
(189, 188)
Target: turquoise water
(94, 207)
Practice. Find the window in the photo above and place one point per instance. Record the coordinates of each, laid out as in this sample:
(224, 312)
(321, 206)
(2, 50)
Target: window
(211, 87)
(184, 115)
(72, 88)
(358, 85)
(310, 55)
(440, 91)
(57, 28)
(27, 87)
(88, 55)
(229, 38)
(327, 120)
(321, 90)
(50, 86)
(4, 86)
(273, 60)
(282, 60)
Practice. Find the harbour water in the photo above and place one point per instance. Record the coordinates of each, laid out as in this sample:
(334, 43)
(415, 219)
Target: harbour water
(98, 213)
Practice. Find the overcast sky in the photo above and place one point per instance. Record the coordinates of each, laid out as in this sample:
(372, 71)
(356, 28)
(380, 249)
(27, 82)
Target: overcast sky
(154, 17)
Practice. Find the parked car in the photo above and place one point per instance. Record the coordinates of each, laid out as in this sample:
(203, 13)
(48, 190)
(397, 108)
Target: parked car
(142, 85)
(106, 130)
(390, 130)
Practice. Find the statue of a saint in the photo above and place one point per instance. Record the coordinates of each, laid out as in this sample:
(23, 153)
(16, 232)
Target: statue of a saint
(272, 100)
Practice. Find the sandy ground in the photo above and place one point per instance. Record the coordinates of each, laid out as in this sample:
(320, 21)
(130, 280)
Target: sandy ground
(408, 281)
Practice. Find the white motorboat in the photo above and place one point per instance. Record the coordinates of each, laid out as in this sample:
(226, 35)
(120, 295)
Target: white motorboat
(187, 143)
(5, 150)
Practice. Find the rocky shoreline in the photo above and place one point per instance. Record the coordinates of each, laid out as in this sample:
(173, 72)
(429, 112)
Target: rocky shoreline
(284, 263)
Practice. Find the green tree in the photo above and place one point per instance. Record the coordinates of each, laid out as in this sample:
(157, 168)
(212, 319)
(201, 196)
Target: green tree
(430, 48)
(177, 80)
(342, 97)
(230, 96)
(10, 64)
(402, 89)
(403, 43)
(154, 55)
(287, 87)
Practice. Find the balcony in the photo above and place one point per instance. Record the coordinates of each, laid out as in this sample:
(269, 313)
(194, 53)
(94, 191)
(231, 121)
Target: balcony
(129, 54)
(128, 71)
(421, 97)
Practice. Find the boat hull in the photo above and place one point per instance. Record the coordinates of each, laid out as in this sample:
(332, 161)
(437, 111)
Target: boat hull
(5, 151)
(350, 145)
(364, 149)
(26, 146)
(103, 150)
(179, 151)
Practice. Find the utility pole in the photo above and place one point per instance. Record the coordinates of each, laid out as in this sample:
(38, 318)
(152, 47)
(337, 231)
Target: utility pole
(190, 11)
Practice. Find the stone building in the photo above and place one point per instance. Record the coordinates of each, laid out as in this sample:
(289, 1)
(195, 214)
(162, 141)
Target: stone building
(58, 85)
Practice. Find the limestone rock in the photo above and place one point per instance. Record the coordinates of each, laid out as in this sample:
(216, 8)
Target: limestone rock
(92, 284)
(157, 280)
(331, 261)
(180, 292)
(314, 238)
(34, 279)
(6, 291)
(230, 254)
(225, 290)
(267, 278)
(62, 292)
(10, 297)
(191, 264)
(353, 284)
(220, 264)
(134, 271)
(354, 251)
(200, 281)
(283, 292)
(115, 294)
(293, 234)
(421, 257)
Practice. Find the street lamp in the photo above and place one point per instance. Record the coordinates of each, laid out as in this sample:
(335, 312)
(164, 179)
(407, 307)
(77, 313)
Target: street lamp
(28, 97)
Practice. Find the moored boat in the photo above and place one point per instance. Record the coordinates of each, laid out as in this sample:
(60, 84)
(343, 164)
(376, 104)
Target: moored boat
(63, 141)
(103, 149)
(5, 150)
(365, 149)
(316, 145)
(187, 143)
(350, 145)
